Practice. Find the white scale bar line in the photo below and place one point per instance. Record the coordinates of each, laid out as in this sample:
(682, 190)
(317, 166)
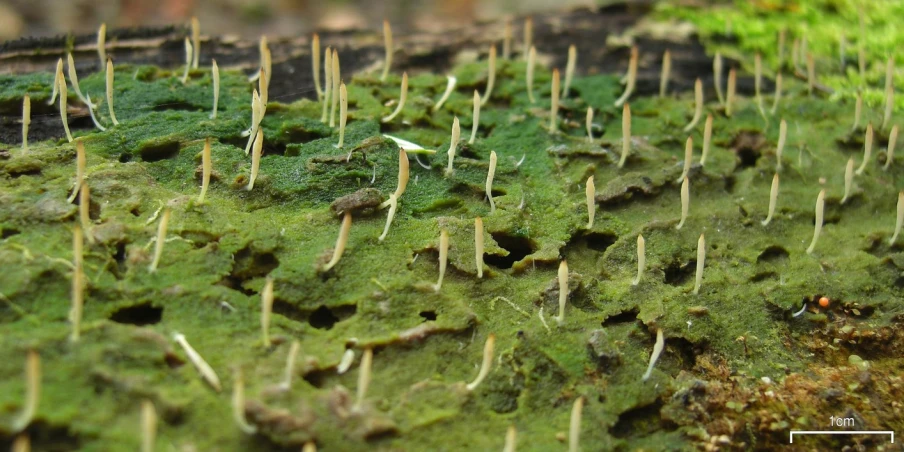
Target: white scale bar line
(844, 432)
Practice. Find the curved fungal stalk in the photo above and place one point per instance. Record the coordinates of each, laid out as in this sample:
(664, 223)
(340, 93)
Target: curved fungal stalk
(80, 163)
(574, 425)
(890, 153)
(110, 92)
(443, 258)
(491, 76)
(782, 135)
(256, 152)
(256, 118)
(507, 39)
(475, 118)
(688, 157)
(84, 205)
(188, 60)
(315, 65)
(899, 220)
(554, 104)
(456, 136)
(334, 101)
(478, 245)
(264, 91)
(393, 204)
(666, 72)
(867, 148)
(266, 311)
(367, 359)
(486, 364)
(773, 200)
(215, 74)
(590, 125)
(343, 113)
(57, 75)
(820, 212)
(26, 120)
(730, 96)
(657, 350)
(402, 97)
(148, 426)
(489, 186)
(510, 439)
(346, 362)
(328, 83)
(641, 259)
(340, 242)
(590, 192)
(529, 78)
(264, 51)
(73, 78)
(238, 403)
(717, 77)
(102, 44)
(64, 102)
(707, 138)
(290, 365)
(632, 78)
(563, 290)
(848, 179)
(528, 35)
(32, 391)
(778, 93)
(450, 86)
(206, 169)
(387, 46)
(626, 135)
(403, 176)
(701, 258)
(78, 284)
(161, 239)
(698, 106)
(207, 372)
(685, 202)
(569, 69)
(858, 109)
(196, 42)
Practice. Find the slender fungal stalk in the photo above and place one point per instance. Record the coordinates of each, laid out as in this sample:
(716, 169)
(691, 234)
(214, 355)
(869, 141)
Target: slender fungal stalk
(486, 364)
(315, 65)
(590, 192)
(161, 239)
(529, 79)
(732, 87)
(328, 83)
(701, 258)
(574, 427)
(858, 109)
(688, 158)
(890, 153)
(899, 220)
(215, 74)
(290, 365)
(491, 76)
(489, 186)
(364, 377)
(340, 242)
(404, 173)
(256, 152)
(657, 350)
(569, 69)
(563, 290)
(188, 60)
(110, 92)
(590, 125)
(554, 103)
(196, 42)
(57, 75)
(666, 71)
(528, 35)
(206, 169)
(626, 135)
(641, 259)
(443, 258)
(26, 120)
(820, 211)
(707, 138)
(632, 78)
(64, 102)
(782, 135)
(257, 112)
(238, 403)
(393, 204)
(266, 311)
(685, 202)
(402, 97)
(510, 439)
(507, 39)
(78, 285)
(698, 106)
(207, 372)
(867, 148)
(102, 44)
(848, 179)
(450, 86)
(336, 79)
(456, 136)
(773, 200)
(343, 113)
(148, 426)
(478, 245)
(475, 118)
(32, 391)
(717, 77)
(387, 47)
(84, 207)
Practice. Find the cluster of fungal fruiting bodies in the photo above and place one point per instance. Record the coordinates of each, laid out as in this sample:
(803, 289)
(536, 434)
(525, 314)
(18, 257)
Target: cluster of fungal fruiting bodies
(336, 93)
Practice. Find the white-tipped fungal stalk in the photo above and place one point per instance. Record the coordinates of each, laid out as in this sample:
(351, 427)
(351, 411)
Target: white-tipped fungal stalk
(529, 78)
(563, 290)
(486, 363)
(589, 122)
(80, 164)
(890, 153)
(266, 311)
(657, 350)
(450, 86)
(707, 138)
(393, 205)
(899, 219)
(26, 120)
(64, 102)
(778, 93)
(73, 78)
(867, 149)
(626, 135)
(404, 174)
(341, 242)
(475, 117)
(590, 193)
(57, 76)
(732, 88)
(346, 362)
(782, 136)
(256, 152)
(491, 76)
(148, 426)
(688, 158)
(456, 136)
(574, 425)
(402, 97)
(491, 171)
(701, 259)
(364, 377)
(256, 118)
(188, 60)
(102, 44)
(387, 48)
(215, 74)
(848, 179)
(32, 391)
(161, 239)
(665, 74)
(820, 212)
(328, 83)
(238, 403)
(110, 92)
(641, 259)
(773, 200)
(196, 42)
(336, 79)
(632, 78)
(207, 372)
(343, 113)
(315, 65)
(569, 70)
(685, 202)
(478, 245)
(717, 77)
(206, 169)
(443, 258)
(698, 106)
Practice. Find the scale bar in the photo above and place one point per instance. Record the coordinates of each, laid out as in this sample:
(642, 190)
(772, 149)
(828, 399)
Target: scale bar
(842, 432)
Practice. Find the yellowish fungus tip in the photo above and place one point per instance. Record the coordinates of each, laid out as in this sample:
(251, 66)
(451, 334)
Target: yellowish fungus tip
(453, 144)
(848, 179)
(665, 74)
(569, 69)
(732, 88)
(717, 77)
(328, 83)
(486, 363)
(820, 211)
(688, 158)
(148, 426)
(206, 169)
(529, 78)
(589, 122)
(528, 35)
(867, 149)
(336, 79)
(701, 258)
(26, 120)
(590, 193)
(478, 245)
(491, 76)
(475, 118)
(632, 78)
(364, 377)
(343, 113)
(266, 311)
(491, 172)
(256, 152)
(574, 427)
(773, 200)
(510, 439)
(443, 258)
(402, 97)
(387, 44)
(698, 106)
(641, 259)
(110, 92)
(563, 290)
(102, 43)
(341, 242)
(32, 391)
(315, 65)
(196, 42)
(64, 101)
(899, 219)
(707, 138)
(238, 403)
(890, 153)
(685, 201)
(626, 135)
(657, 350)
(161, 239)
(207, 372)
(215, 75)
(188, 61)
